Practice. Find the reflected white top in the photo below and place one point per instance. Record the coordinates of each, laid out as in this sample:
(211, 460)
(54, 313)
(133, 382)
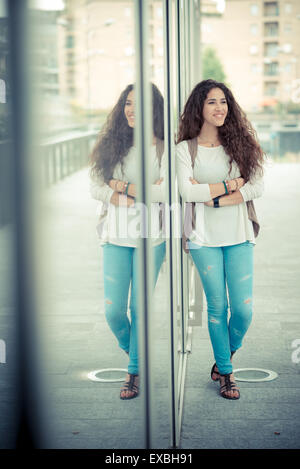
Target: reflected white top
(223, 226)
(121, 225)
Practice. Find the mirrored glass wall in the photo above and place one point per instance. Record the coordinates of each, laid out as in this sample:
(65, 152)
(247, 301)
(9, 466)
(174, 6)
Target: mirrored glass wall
(105, 83)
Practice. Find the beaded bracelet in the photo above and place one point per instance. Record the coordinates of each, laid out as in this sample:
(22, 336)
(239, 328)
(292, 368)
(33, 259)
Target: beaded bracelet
(126, 188)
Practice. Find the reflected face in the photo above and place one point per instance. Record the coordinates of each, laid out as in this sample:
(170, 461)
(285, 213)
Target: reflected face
(129, 108)
(215, 107)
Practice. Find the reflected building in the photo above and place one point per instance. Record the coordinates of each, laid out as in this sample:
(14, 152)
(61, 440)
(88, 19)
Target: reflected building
(96, 45)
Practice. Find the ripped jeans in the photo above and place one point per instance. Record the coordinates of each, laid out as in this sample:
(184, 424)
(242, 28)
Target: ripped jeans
(120, 268)
(218, 266)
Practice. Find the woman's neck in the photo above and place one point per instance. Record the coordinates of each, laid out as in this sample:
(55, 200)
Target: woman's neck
(209, 134)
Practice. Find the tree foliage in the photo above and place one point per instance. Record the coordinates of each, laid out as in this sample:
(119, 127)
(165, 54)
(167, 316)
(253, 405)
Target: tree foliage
(212, 66)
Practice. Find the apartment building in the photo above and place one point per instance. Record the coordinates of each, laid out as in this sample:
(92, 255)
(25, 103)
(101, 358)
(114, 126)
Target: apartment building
(259, 46)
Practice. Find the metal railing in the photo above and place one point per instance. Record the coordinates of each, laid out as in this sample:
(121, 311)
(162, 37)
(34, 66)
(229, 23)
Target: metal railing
(59, 158)
(64, 156)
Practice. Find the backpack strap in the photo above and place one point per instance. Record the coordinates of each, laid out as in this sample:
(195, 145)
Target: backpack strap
(159, 150)
(193, 147)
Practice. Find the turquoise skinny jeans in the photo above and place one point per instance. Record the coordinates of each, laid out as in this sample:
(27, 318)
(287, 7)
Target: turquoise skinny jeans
(120, 268)
(218, 267)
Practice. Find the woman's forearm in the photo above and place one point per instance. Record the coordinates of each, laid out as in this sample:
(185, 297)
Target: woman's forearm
(234, 198)
(121, 200)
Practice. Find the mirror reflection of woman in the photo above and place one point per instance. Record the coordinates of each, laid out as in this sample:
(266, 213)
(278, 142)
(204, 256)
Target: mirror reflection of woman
(220, 168)
(114, 181)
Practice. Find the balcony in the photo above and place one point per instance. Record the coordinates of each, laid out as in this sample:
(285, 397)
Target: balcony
(271, 9)
(271, 69)
(271, 29)
(271, 49)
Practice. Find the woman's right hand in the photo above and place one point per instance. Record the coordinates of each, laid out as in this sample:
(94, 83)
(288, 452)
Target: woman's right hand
(236, 183)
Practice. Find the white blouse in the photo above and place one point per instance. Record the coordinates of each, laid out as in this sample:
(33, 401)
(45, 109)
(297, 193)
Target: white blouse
(223, 226)
(121, 225)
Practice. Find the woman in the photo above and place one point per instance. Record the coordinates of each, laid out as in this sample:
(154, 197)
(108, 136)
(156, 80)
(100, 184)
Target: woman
(114, 182)
(220, 168)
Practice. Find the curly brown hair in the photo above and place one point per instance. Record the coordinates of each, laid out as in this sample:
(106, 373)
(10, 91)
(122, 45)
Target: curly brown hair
(236, 135)
(116, 137)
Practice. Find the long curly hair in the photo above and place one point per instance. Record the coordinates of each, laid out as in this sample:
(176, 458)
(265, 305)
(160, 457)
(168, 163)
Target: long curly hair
(236, 135)
(116, 136)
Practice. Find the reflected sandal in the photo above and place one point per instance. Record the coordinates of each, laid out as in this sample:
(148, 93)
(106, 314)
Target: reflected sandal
(130, 386)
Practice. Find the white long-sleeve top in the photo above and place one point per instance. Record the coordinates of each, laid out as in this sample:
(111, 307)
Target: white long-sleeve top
(121, 225)
(223, 226)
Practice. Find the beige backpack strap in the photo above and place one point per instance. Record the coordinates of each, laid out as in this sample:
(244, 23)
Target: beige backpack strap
(159, 150)
(190, 216)
(253, 217)
(193, 147)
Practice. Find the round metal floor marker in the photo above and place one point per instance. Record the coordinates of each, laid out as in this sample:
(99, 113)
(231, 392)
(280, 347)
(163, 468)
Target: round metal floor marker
(252, 375)
(93, 375)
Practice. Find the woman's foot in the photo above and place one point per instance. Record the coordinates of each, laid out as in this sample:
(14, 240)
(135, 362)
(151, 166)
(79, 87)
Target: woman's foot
(215, 374)
(130, 389)
(228, 387)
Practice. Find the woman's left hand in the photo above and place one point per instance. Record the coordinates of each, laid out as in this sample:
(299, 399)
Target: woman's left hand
(210, 203)
(193, 181)
(159, 181)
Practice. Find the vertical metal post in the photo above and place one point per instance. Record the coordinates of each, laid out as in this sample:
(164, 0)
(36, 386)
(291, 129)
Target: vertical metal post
(30, 426)
(171, 254)
(143, 134)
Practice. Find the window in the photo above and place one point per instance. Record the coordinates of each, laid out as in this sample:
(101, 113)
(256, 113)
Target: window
(254, 9)
(287, 27)
(253, 49)
(69, 42)
(254, 68)
(288, 8)
(271, 88)
(288, 67)
(271, 9)
(254, 29)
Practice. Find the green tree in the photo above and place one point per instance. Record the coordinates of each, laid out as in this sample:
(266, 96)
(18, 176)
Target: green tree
(212, 66)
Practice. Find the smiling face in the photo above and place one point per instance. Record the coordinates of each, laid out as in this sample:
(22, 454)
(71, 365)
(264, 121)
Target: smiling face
(129, 108)
(215, 107)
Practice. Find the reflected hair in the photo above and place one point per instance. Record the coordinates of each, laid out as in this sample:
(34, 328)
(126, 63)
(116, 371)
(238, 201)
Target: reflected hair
(116, 136)
(236, 135)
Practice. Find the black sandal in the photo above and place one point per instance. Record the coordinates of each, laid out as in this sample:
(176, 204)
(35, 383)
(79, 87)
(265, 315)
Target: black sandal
(130, 386)
(217, 372)
(229, 386)
(214, 372)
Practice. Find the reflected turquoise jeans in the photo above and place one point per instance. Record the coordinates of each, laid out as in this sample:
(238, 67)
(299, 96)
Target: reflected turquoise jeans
(120, 268)
(218, 267)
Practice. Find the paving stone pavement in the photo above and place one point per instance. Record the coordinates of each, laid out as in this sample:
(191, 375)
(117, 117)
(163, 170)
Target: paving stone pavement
(84, 414)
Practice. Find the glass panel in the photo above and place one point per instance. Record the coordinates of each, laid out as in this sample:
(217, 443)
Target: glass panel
(85, 64)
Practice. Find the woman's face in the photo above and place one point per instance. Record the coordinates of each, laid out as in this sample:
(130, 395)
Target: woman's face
(129, 108)
(215, 107)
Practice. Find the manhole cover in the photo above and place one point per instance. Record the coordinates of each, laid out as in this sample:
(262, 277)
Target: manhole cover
(111, 375)
(254, 375)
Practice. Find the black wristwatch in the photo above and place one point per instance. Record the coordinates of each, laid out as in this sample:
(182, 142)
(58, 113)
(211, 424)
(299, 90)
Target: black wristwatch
(216, 202)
